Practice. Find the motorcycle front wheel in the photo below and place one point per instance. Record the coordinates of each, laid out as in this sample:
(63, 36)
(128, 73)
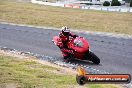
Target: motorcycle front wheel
(92, 57)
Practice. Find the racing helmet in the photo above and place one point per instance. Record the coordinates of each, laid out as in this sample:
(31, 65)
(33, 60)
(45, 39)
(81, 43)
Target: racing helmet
(65, 30)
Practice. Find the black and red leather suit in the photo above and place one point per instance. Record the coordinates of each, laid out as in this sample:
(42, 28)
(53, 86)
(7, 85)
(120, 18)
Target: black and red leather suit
(63, 44)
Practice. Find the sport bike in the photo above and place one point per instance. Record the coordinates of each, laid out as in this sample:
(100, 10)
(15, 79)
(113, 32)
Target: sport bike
(80, 47)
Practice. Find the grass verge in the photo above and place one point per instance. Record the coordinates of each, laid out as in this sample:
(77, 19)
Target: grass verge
(30, 74)
(18, 72)
(40, 15)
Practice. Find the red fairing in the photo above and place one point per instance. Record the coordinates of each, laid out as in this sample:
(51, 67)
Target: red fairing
(84, 46)
(79, 49)
(66, 51)
(77, 46)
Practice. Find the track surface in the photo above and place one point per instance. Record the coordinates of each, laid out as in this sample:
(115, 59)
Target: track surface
(115, 53)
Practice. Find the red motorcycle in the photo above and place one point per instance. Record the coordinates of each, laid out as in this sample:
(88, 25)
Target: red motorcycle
(80, 48)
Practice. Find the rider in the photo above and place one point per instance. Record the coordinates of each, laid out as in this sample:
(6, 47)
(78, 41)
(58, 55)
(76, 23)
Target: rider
(64, 35)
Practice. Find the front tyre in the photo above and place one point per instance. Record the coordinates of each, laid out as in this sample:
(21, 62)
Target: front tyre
(92, 57)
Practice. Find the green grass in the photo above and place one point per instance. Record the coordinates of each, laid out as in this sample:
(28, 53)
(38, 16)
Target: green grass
(28, 74)
(23, 73)
(40, 15)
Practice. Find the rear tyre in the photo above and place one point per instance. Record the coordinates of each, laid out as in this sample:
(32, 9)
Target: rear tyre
(92, 57)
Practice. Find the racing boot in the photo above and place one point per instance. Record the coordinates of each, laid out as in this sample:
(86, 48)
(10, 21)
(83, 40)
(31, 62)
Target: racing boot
(66, 59)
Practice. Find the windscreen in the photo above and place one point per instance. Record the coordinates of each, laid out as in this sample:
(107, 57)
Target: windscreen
(78, 43)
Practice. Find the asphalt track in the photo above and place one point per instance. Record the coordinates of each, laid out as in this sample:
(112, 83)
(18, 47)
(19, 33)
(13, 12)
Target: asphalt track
(115, 53)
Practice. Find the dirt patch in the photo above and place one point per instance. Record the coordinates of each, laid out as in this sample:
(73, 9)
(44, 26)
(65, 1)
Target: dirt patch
(9, 85)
